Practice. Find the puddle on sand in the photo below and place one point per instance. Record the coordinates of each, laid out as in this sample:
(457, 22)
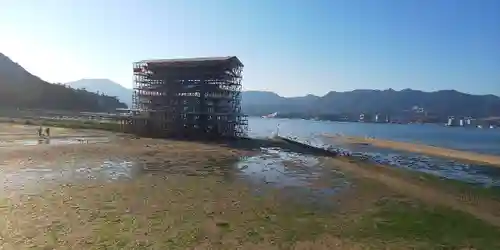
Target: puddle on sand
(55, 141)
(292, 171)
(31, 179)
(477, 174)
(297, 175)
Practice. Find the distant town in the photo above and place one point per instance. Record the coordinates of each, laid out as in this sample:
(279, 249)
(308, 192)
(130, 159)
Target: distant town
(415, 115)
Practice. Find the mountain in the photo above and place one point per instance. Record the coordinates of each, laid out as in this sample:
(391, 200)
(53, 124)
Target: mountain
(21, 89)
(264, 102)
(256, 97)
(105, 86)
(440, 103)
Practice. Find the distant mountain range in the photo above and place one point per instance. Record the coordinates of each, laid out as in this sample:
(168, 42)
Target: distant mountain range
(440, 103)
(105, 86)
(20, 89)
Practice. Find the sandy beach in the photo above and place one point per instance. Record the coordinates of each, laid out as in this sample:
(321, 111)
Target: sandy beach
(420, 148)
(118, 191)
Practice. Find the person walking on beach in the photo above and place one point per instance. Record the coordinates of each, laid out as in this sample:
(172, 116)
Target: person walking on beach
(40, 131)
(47, 131)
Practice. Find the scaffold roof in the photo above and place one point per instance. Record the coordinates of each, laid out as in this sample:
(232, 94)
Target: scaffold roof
(192, 61)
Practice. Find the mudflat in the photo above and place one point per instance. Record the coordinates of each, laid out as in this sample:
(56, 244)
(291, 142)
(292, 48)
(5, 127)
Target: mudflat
(117, 191)
(420, 148)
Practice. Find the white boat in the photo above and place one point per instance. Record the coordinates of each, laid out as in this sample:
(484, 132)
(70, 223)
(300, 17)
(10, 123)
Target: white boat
(272, 115)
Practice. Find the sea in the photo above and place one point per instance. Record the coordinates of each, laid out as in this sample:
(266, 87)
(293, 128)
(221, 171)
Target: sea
(484, 141)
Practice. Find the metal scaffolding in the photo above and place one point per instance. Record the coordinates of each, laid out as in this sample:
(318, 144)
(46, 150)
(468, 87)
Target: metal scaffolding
(193, 97)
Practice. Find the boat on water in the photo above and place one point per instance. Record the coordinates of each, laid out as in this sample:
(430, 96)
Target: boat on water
(490, 126)
(272, 115)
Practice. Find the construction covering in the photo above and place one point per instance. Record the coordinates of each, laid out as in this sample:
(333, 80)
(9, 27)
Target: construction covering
(193, 97)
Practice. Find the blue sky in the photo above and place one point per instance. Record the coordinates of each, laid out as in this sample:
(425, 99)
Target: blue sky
(291, 47)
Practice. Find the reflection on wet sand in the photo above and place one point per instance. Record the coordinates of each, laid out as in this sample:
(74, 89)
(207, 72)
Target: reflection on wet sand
(446, 168)
(419, 148)
(32, 179)
(473, 173)
(272, 167)
(299, 176)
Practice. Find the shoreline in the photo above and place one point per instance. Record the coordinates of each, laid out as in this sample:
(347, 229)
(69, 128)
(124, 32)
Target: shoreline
(420, 148)
(255, 143)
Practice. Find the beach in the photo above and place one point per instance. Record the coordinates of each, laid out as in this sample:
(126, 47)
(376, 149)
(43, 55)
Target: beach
(418, 148)
(119, 191)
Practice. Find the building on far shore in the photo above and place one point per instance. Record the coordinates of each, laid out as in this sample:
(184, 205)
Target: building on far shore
(361, 117)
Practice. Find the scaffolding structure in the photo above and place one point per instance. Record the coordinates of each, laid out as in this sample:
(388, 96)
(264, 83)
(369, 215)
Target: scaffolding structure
(193, 97)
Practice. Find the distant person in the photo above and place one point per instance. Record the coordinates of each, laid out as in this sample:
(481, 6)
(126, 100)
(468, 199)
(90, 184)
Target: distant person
(40, 131)
(47, 132)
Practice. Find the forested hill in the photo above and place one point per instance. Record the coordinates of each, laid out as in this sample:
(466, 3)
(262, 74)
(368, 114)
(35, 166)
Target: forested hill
(106, 87)
(442, 103)
(20, 89)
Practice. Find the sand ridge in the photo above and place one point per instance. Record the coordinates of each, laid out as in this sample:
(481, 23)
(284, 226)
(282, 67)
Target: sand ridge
(420, 148)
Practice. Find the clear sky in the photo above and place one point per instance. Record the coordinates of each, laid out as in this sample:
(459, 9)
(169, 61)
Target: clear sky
(292, 47)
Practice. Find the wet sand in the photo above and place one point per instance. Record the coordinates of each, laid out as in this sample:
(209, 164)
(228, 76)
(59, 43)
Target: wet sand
(133, 193)
(420, 148)
(138, 193)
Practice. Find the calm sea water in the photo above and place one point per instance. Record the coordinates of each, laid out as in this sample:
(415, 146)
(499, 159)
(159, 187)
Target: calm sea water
(486, 141)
